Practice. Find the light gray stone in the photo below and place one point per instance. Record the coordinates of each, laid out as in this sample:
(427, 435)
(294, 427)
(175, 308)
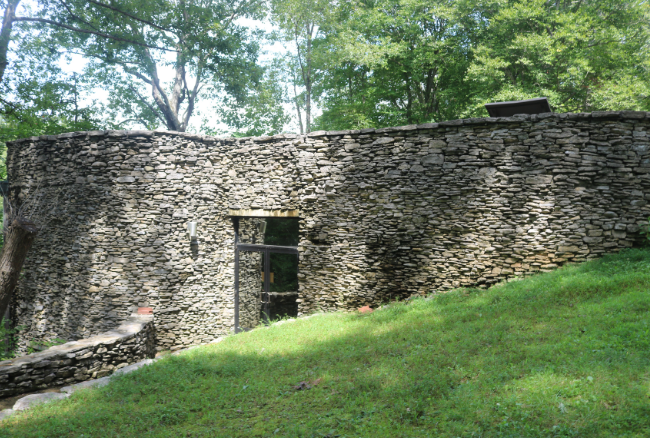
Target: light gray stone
(97, 383)
(130, 368)
(29, 401)
(434, 159)
(383, 140)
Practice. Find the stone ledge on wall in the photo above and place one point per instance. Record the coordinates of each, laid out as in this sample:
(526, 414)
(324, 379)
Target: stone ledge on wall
(81, 360)
(518, 118)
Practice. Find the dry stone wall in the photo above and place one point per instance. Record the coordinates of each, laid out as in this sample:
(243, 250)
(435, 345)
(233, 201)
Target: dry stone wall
(75, 362)
(250, 287)
(383, 213)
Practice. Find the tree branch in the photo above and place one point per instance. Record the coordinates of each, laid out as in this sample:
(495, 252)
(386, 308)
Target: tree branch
(76, 17)
(144, 101)
(5, 34)
(192, 97)
(119, 11)
(236, 12)
(91, 32)
(140, 76)
(159, 96)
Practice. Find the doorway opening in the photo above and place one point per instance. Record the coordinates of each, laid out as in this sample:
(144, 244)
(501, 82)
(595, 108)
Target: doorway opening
(266, 270)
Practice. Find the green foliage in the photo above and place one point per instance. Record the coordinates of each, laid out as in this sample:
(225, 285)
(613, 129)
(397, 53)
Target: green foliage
(44, 107)
(285, 270)
(258, 112)
(211, 53)
(36, 346)
(301, 23)
(8, 338)
(563, 354)
(125, 43)
(37, 97)
(396, 62)
(645, 230)
(283, 232)
(584, 56)
(365, 63)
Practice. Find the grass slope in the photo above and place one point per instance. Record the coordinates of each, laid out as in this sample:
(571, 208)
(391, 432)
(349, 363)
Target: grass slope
(564, 354)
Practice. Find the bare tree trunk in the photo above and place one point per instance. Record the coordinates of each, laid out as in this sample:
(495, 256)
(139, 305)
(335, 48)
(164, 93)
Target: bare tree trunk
(308, 106)
(307, 78)
(5, 34)
(295, 99)
(19, 239)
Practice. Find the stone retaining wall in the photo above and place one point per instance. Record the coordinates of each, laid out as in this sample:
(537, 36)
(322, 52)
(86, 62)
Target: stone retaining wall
(78, 361)
(383, 213)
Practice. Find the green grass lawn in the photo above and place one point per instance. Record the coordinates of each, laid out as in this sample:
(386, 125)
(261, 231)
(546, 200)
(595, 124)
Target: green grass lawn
(565, 354)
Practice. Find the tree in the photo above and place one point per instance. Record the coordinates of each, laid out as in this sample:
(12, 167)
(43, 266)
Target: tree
(29, 212)
(583, 55)
(300, 22)
(19, 237)
(9, 18)
(201, 40)
(294, 80)
(5, 33)
(37, 97)
(129, 41)
(395, 62)
(259, 112)
(44, 101)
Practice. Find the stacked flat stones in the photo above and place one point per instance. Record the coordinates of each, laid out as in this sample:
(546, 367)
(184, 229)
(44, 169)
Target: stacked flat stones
(384, 213)
(75, 362)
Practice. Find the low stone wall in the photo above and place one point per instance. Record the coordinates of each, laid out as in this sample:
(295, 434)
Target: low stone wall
(77, 361)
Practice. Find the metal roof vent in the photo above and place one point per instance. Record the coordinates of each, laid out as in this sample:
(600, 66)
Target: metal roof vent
(508, 109)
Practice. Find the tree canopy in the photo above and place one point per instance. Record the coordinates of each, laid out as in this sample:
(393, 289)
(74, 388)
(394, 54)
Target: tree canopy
(356, 64)
(582, 55)
(200, 40)
(394, 62)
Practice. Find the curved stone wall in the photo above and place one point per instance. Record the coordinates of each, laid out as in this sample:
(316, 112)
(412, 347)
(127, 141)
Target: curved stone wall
(383, 213)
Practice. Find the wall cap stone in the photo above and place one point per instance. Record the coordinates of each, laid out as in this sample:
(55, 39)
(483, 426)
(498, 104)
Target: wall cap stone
(263, 213)
(517, 118)
(130, 327)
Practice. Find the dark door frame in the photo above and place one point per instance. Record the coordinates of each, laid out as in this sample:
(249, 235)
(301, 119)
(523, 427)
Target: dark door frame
(266, 250)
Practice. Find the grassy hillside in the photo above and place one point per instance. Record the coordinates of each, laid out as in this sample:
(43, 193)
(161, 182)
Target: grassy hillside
(565, 354)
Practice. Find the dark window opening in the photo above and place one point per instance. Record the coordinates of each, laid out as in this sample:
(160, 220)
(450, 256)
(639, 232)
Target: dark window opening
(266, 270)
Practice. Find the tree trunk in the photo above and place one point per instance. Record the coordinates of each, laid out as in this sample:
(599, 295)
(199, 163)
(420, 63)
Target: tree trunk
(19, 239)
(5, 34)
(307, 79)
(295, 99)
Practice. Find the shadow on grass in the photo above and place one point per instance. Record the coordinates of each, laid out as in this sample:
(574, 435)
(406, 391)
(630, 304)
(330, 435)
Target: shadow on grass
(563, 354)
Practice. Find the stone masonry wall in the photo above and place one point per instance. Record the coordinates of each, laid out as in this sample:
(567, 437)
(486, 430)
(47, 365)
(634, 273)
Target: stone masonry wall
(75, 362)
(383, 213)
